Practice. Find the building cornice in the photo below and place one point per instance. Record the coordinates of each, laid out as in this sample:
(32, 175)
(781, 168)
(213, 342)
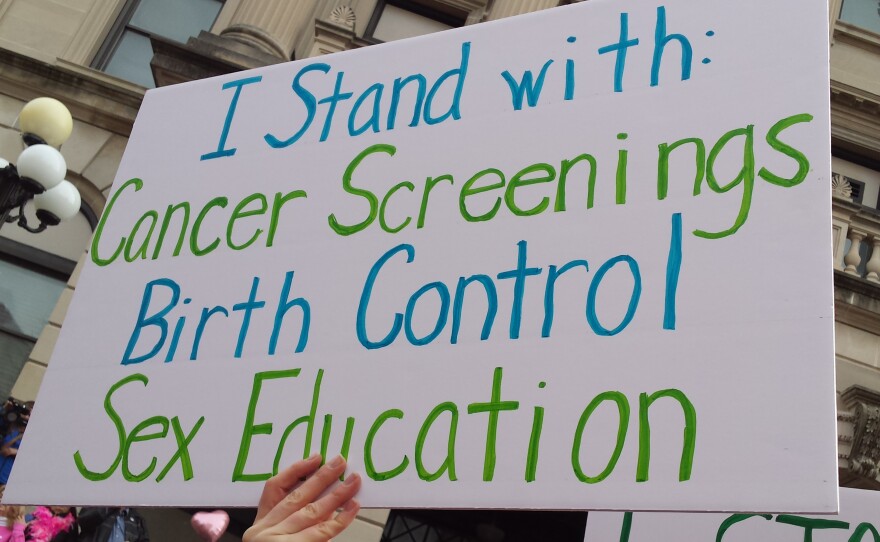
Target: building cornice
(91, 96)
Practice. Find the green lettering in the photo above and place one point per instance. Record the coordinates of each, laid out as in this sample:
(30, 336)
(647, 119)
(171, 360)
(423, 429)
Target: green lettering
(734, 519)
(620, 178)
(534, 444)
(690, 434)
(197, 225)
(429, 185)
(859, 533)
(136, 436)
(808, 524)
(346, 438)
(798, 156)
(182, 452)
(493, 407)
(366, 194)
(626, 526)
(449, 462)
(239, 212)
(280, 200)
(520, 179)
(405, 184)
(166, 222)
(99, 230)
(746, 176)
(142, 251)
(622, 424)
(250, 429)
(665, 150)
(563, 177)
(369, 466)
(466, 191)
(117, 421)
(308, 420)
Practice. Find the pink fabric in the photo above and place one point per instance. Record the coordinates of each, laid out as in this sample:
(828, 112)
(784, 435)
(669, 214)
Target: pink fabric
(46, 525)
(16, 534)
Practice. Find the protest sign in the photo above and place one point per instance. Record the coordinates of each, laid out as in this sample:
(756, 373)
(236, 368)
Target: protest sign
(576, 259)
(859, 520)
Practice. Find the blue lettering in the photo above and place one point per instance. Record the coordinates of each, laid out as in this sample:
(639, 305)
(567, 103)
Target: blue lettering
(526, 87)
(443, 292)
(157, 319)
(592, 319)
(519, 286)
(550, 291)
(455, 107)
(395, 98)
(361, 324)
(373, 122)
(284, 305)
(247, 307)
(333, 99)
(661, 39)
(308, 100)
(620, 48)
(673, 268)
(491, 301)
(224, 133)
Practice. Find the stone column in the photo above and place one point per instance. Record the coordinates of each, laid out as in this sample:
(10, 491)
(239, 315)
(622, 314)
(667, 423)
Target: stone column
(272, 26)
(873, 266)
(508, 8)
(853, 259)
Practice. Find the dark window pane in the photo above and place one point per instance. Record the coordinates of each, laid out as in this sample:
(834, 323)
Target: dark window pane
(481, 525)
(13, 353)
(175, 19)
(397, 23)
(131, 60)
(864, 13)
(26, 299)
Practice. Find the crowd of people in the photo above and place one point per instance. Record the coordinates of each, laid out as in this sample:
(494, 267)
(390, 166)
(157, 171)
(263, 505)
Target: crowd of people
(14, 417)
(303, 503)
(66, 524)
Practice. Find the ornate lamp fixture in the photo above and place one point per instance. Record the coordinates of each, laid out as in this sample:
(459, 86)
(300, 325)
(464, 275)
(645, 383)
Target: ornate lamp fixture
(39, 175)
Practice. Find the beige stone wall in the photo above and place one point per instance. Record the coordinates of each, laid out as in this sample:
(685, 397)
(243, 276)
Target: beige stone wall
(858, 357)
(855, 59)
(92, 155)
(51, 29)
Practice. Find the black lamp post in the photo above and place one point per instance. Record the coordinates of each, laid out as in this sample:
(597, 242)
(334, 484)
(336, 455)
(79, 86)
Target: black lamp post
(39, 175)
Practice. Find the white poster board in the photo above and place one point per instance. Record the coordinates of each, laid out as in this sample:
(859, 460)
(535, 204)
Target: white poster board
(859, 520)
(575, 259)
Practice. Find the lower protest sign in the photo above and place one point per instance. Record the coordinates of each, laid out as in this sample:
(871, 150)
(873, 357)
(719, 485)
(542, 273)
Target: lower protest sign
(859, 520)
(575, 259)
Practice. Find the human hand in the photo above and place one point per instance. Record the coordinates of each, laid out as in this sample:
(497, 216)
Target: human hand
(290, 509)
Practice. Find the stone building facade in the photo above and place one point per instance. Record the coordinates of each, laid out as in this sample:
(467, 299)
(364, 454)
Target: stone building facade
(99, 56)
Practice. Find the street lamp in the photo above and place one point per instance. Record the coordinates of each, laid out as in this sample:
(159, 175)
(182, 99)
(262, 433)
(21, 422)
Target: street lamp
(39, 176)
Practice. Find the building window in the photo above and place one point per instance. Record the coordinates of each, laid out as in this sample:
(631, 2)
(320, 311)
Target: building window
(855, 178)
(28, 294)
(483, 526)
(863, 13)
(399, 19)
(127, 51)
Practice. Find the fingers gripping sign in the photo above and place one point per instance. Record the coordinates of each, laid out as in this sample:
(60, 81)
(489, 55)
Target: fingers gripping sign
(296, 507)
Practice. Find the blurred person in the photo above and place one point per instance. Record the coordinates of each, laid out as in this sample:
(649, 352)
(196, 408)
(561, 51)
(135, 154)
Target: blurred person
(103, 524)
(11, 411)
(12, 524)
(51, 524)
(9, 446)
